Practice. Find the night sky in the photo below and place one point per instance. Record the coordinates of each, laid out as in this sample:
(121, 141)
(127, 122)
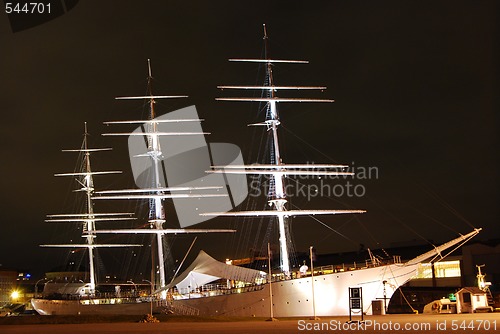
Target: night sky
(416, 96)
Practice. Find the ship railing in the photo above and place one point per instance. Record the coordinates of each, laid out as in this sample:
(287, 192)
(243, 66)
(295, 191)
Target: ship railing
(162, 303)
(358, 265)
(329, 269)
(182, 309)
(210, 290)
(97, 295)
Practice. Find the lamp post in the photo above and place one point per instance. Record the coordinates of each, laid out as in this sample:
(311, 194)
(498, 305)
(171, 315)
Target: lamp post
(270, 278)
(150, 296)
(385, 297)
(36, 285)
(134, 292)
(314, 317)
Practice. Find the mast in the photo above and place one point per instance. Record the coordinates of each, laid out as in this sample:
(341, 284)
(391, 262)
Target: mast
(90, 225)
(89, 218)
(277, 198)
(157, 191)
(277, 169)
(156, 213)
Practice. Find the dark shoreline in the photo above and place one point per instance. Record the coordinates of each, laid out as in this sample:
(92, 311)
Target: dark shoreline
(89, 319)
(484, 323)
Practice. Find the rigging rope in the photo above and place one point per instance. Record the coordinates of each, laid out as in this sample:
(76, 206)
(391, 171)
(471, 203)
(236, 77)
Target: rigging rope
(435, 220)
(305, 142)
(330, 228)
(444, 204)
(399, 287)
(400, 221)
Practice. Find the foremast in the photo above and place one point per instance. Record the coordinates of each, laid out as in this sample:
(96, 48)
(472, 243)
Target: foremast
(277, 197)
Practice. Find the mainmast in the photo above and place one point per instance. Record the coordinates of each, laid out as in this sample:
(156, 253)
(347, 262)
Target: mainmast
(158, 191)
(156, 213)
(277, 169)
(89, 218)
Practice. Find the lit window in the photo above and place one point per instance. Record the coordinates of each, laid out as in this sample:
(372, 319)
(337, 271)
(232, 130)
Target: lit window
(447, 269)
(441, 269)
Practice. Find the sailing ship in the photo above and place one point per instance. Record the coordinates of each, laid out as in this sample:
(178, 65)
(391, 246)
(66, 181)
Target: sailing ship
(317, 292)
(84, 298)
(237, 291)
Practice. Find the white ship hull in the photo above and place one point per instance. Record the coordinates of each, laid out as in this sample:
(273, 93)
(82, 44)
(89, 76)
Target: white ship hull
(90, 306)
(293, 298)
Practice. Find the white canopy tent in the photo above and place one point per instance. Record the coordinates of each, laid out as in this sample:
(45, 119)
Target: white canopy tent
(206, 269)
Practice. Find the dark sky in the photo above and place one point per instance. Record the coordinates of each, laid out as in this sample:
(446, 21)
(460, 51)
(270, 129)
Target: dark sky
(415, 85)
